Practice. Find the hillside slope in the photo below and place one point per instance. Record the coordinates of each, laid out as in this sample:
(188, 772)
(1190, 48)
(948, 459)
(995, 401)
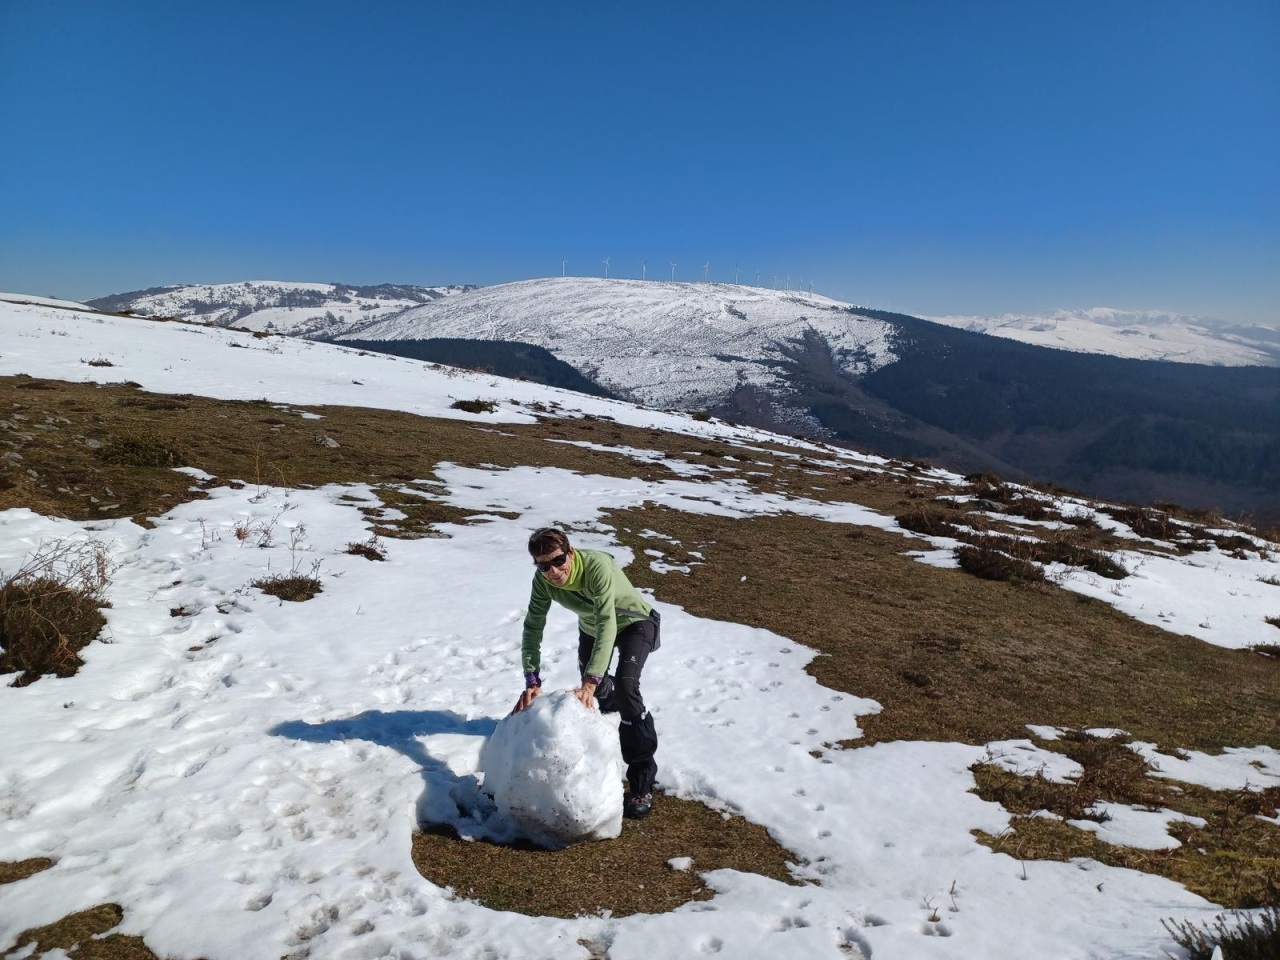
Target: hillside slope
(232, 772)
(662, 344)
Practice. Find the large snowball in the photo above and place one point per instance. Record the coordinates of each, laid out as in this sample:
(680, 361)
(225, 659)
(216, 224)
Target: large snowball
(555, 771)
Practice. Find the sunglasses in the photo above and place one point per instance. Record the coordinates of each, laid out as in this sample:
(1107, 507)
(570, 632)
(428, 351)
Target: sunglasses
(557, 562)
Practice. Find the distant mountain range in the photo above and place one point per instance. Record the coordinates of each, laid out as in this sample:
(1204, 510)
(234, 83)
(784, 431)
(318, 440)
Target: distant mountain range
(318, 310)
(1138, 335)
(947, 389)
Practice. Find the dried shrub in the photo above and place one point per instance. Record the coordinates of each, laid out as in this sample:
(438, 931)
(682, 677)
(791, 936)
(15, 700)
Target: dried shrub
(295, 588)
(1083, 521)
(1063, 550)
(1026, 795)
(141, 450)
(1031, 508)
(51, 609)
(371, 549)
(988, 563)
(1244, 937)
(1112, 771)
(929, 521)
(1146, 522)
(1231, 542)
(475, 406)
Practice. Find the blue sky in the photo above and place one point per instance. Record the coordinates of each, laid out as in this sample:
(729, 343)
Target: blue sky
(931, 157)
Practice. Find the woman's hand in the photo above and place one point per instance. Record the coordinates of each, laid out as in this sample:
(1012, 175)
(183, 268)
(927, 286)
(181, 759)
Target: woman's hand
(526, 698)
(586, 694)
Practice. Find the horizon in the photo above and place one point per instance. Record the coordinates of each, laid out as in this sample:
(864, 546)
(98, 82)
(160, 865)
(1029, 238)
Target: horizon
(978, 161)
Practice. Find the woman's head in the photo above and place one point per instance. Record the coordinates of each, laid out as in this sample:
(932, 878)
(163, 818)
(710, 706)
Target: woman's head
(548, 540)
(552, 554)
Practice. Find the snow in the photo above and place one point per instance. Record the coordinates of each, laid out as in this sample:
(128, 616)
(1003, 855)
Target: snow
(1138, 335)
(663, 344)
(553, 772)
(21, 298)
(1135, 827)
(273, 305)
(245, 778)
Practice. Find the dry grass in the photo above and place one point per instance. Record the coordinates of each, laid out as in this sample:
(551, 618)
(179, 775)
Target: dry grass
(1241, 937)
(999, 656)
(1234, 859)
(294, 588)
(949, 657)
(371, 549)
(50, 609)
(84, 936)
(624, 876)
(9, 872)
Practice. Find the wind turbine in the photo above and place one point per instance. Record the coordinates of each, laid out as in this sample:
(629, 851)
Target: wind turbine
(605, 261)
(706, 271)
(788, 281)
(775, 281)
(643, 263)
(736, 272)
(811, 286)
(757, 278)
(673, 271)
(564, 265)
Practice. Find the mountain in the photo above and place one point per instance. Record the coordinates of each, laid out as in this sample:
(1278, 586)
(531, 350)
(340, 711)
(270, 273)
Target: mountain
(1138, 335)
(1139, 430)
(685, 345)
(296, 309)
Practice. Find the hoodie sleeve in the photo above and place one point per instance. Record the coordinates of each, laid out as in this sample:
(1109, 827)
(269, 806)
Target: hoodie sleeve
(534, 621)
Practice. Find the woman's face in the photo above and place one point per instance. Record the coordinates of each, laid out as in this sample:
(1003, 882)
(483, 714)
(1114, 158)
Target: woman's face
(559, 575)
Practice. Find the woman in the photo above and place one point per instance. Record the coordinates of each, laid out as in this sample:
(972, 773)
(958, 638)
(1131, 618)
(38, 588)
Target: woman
(611, 615)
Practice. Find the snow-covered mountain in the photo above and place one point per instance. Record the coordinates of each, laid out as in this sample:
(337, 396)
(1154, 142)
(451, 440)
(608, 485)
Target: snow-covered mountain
(1138, 335)
(296, 309)
(687, 345)
(702, 312)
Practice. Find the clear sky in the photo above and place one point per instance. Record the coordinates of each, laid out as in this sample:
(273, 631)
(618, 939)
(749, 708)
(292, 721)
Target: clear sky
(931, 157)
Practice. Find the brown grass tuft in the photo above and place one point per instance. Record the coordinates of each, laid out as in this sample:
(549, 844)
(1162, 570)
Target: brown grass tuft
(474, 406)
(295, 587)
(989, 563)
(11, 872)
(85, 936)
(141, 450)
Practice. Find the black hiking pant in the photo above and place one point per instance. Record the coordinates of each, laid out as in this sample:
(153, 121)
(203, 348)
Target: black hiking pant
(620, 693)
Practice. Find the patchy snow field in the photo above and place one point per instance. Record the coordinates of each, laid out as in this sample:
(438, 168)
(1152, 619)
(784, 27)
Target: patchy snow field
(244, 777)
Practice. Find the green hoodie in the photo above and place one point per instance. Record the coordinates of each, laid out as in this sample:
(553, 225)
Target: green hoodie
(602, 597)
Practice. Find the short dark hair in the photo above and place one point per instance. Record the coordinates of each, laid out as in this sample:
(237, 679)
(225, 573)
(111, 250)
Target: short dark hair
(545, 540)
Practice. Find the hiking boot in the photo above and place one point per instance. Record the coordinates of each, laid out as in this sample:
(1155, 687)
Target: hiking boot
(637, 806)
